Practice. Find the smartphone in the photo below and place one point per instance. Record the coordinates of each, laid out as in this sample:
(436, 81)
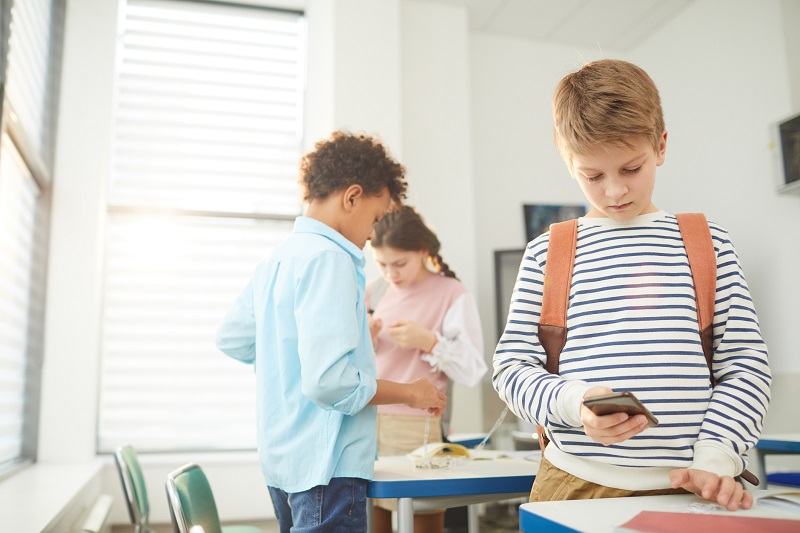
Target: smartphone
(619, 402)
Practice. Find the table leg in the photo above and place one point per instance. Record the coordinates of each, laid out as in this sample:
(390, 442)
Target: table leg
(473, 524)
(405, 515)
(370, 509)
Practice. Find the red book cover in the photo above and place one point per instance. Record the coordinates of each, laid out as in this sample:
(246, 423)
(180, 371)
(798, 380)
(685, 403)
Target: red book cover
(658, 522)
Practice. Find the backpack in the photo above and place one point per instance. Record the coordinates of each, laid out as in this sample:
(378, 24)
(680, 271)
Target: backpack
(558, 277)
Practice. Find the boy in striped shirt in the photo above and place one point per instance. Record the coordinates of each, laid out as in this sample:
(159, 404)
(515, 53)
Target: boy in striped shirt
(632, 321)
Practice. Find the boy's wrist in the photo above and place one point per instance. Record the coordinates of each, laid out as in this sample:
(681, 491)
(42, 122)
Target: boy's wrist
(570, 399)
(714, 457)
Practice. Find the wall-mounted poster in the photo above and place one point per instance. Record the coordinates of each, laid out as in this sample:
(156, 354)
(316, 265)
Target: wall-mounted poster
(539, 217)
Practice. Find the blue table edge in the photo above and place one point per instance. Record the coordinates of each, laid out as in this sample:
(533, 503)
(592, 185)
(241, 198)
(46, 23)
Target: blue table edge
(778, 445)
(426, 488)
(471, 442)
(530, 522)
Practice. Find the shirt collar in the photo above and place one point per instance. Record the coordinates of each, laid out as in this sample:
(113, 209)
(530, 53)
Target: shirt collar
(635, 221)
(311, 225)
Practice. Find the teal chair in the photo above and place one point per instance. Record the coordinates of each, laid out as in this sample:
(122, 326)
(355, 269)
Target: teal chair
(191, 503)
(130, 473)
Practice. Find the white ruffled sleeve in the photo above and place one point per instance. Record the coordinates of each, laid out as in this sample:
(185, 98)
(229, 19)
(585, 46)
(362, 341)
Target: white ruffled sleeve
(459, 350)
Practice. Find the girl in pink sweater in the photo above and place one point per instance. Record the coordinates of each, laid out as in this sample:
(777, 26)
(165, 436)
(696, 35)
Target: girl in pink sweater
(424, 324)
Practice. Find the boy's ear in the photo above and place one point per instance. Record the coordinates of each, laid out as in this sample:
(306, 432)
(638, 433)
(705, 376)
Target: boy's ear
(662, 149)
(351, 196)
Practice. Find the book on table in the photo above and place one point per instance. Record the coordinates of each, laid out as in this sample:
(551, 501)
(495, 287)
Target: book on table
(730, 522)
(787, 501)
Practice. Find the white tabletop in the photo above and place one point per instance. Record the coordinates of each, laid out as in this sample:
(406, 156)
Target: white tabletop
(396, 477)
(507, 475)
(604, 515)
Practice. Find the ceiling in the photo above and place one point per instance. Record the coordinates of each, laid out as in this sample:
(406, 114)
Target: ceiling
(606, 24)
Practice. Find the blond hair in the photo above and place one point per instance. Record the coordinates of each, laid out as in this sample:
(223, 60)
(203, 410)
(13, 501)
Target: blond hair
(605, 102)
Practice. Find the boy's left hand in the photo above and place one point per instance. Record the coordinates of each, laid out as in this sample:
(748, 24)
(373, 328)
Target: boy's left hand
(613, 428)
(723, 490)
(409, 334)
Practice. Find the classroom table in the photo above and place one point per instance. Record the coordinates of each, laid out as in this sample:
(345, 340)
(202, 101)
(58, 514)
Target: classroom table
(476, 481)
(605, 515)
(783, 443)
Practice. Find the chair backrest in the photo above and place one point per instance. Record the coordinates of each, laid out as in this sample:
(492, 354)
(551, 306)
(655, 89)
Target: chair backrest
(130, 473)
(191, 502)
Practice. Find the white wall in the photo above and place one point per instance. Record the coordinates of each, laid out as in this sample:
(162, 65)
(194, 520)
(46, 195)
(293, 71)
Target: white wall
(791, 16)
(354, 70)
(437, 144)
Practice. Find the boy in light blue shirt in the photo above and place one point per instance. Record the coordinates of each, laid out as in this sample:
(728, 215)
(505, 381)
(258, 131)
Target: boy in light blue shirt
(302, 321)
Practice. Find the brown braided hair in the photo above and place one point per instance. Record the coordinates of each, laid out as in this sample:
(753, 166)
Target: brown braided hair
(404, 229)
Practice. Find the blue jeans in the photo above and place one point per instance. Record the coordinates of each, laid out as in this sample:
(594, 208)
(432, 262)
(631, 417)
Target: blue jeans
(338, 507)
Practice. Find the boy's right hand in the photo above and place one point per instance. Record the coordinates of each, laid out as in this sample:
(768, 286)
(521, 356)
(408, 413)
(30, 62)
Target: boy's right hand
(425, 395)
(723, 490)
(613, 428)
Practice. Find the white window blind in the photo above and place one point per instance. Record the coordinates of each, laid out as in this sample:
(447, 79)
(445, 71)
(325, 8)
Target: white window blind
(18, 194)
(32, 34)
(28, 67)
(169, 282)
(208, 108)
(204, 185)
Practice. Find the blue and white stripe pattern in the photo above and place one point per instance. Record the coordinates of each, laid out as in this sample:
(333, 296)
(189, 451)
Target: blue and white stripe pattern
(632, 325)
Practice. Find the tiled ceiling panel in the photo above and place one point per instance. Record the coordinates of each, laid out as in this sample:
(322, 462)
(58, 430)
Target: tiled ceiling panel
(605, 24)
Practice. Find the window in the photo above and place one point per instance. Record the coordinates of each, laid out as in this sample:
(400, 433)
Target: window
(30, 44)
(208, 136)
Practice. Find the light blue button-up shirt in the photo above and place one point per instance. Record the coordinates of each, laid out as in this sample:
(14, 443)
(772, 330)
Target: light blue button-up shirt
(302, 321)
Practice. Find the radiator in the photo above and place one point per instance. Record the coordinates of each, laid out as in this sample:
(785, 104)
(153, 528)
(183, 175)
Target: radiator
(96, 520)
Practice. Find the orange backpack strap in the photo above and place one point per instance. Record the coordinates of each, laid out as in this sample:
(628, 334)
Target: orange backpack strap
(555, 295)
(703, 264)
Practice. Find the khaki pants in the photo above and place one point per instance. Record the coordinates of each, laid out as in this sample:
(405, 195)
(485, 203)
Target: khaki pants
(401, 434)
(553, 484)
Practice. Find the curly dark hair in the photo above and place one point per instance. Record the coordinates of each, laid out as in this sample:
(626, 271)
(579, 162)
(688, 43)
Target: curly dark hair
(404, 229)
(346, 159)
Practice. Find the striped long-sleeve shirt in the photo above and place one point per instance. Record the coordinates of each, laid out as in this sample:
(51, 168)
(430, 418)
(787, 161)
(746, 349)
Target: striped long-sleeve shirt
(632, 325)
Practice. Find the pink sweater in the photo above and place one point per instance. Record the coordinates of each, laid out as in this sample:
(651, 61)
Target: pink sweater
(425, 302)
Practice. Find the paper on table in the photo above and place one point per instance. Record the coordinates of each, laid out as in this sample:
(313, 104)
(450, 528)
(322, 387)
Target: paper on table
(484, 454)
(659, 522)
(787, 501)
(438, 449)
(438, 455)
